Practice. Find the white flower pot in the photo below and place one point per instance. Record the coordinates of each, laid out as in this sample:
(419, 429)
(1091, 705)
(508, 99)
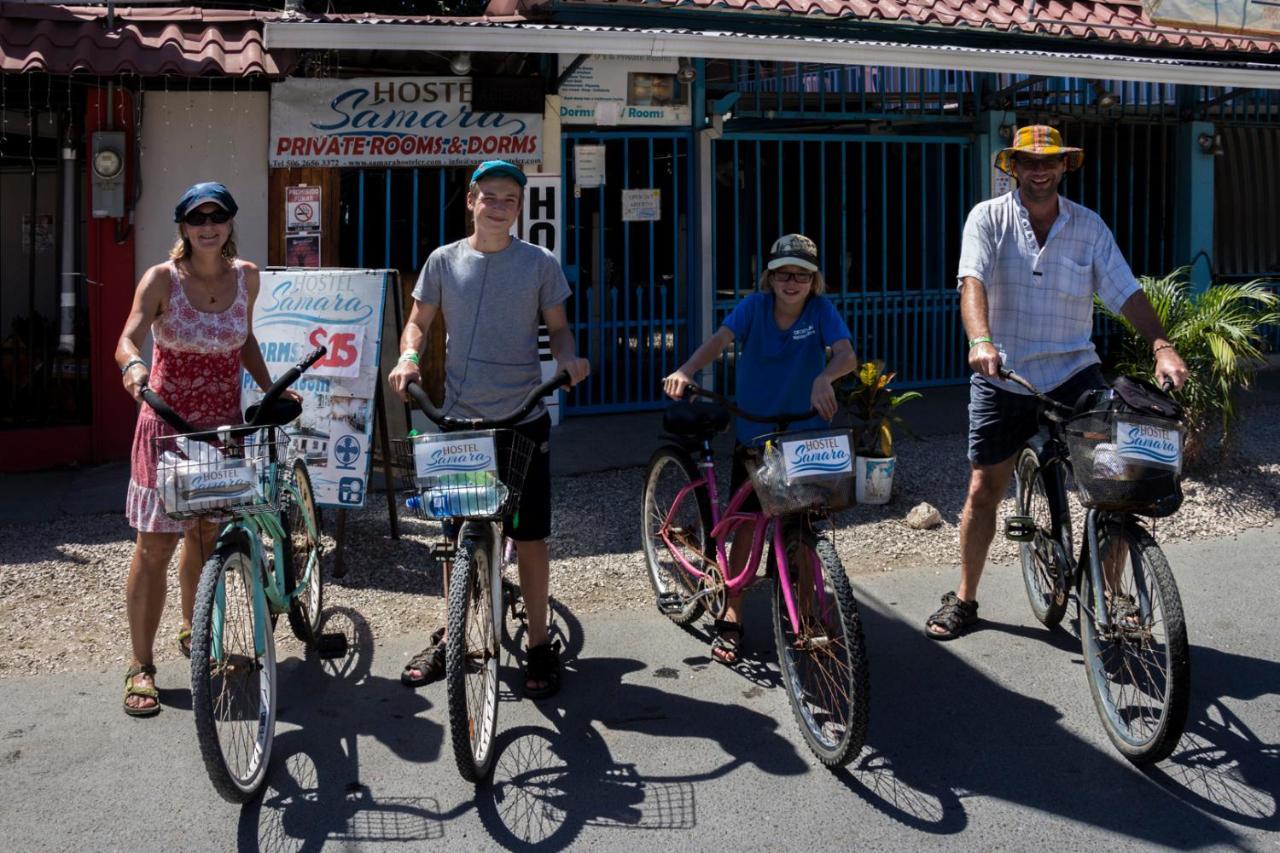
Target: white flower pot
(874, 479)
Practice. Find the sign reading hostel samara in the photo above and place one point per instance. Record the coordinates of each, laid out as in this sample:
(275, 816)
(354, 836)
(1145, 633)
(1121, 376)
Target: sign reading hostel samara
(393, 121)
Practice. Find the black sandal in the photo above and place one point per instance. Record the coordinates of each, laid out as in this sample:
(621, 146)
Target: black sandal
(429, 662)
(731, 650)
(954, 617)
(542, 663)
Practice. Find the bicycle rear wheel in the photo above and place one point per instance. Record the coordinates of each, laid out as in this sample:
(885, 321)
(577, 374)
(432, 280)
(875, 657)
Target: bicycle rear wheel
(1044, 559)
(233, 671)
(674, 524)
(824, 662)
(471, 657)
(1139, 666)
(302, 552)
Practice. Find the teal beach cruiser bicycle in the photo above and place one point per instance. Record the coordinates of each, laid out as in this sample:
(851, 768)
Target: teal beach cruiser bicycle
(266, 563)
(798, 477)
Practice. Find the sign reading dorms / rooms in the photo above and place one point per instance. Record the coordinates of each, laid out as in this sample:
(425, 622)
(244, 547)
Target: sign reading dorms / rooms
(609, 90)
(393, 121)
(298, 310)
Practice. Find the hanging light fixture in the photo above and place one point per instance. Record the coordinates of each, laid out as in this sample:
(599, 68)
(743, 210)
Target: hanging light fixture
(1103, 97)
(686, 73)
(460, 64)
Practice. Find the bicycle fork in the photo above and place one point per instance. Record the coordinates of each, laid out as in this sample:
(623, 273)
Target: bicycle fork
(1097, 574)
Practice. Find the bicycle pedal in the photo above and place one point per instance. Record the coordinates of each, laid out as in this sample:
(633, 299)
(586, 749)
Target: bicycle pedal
(670, 602)
(331, 645)
(442, 552)
(1020, 528)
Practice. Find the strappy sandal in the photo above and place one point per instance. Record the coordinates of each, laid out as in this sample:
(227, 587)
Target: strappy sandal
(429, 662)
(132, 689)
(184, 642)
(953, 617)
(730, 650)
(542, 663)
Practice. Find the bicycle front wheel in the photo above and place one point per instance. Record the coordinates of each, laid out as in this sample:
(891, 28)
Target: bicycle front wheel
(822, 655)
(675, 531)
(471, 657)
(302, 554)
(1044, 559)
(233, 671)
(1138, 664)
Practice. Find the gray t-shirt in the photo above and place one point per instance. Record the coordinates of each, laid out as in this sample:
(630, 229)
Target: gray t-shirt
(492, 303)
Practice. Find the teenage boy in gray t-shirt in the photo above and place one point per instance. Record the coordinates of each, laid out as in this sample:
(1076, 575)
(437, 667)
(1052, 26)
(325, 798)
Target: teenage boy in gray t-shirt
(491, 289)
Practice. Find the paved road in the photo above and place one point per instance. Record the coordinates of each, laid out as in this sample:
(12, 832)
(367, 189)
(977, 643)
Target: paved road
(989, 743)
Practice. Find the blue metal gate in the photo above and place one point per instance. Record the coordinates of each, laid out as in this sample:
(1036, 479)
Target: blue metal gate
(633, 302)
(887, 213)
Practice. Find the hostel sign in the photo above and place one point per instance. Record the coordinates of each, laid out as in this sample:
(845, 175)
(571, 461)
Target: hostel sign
(393, 121)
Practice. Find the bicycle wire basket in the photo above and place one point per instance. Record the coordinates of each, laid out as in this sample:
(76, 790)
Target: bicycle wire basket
(476, 474)
(800, 471)
(232, 475)
(1124, 461)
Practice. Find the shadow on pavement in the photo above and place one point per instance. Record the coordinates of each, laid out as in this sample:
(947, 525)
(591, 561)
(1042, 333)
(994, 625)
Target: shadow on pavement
(942, 731)
(551, 781)
(314, 794)
(1220, 766)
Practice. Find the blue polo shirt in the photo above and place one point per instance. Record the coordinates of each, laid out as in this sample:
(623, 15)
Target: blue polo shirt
(776, 368)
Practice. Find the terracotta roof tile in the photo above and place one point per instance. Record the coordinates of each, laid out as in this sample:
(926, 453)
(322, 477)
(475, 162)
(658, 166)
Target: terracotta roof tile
(1115, 21)
(185, 41)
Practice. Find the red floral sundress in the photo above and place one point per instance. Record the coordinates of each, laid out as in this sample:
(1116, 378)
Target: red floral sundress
(196, 369)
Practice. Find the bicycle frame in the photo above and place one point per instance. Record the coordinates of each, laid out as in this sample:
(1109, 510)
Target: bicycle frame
(1054, 461)
(723, 525)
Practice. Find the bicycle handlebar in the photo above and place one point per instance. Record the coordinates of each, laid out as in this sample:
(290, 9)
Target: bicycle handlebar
(173, 419)
(1057, 410)
(449, 422)
(781, 420)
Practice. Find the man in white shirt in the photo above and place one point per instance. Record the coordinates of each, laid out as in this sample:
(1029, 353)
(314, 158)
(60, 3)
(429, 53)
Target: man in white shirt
(1030, 265)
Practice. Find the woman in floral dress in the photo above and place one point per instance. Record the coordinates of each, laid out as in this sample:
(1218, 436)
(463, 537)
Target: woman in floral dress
(198, 308)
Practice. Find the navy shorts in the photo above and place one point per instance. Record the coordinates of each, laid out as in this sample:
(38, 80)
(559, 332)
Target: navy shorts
(737, 476)
(1000, 421)
(531, 521)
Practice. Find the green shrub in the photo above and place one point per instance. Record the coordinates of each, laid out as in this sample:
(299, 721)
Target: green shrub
(1218, 333)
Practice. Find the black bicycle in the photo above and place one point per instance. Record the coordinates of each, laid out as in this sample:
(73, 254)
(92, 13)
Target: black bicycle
(1125, 463)
(469, 477)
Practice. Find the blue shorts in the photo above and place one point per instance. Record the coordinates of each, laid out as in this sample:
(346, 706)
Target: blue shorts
(1000, 421)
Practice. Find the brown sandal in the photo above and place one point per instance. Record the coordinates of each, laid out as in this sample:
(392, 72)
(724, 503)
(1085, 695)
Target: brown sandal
(133, 689)
(429, 662)
(954, 617)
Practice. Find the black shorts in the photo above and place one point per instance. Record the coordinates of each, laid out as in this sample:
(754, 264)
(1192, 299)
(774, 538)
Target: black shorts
(531, 521)
(737, 476)
(1000, 421)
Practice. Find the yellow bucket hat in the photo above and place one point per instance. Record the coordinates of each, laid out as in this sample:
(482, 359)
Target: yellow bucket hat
(1038, 139)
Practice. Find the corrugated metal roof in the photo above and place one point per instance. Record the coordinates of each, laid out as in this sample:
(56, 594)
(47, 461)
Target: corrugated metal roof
(186, 41)
(1116, 21)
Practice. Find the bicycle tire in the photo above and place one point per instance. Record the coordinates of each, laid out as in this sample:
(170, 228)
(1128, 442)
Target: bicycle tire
(233, 685)
(471, 657)
(671, 469)
(1131, 664)
(1045, 563)
(306, 609)
(833, 708)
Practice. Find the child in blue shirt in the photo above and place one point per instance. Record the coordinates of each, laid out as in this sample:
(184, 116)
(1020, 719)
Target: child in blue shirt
(784, 332)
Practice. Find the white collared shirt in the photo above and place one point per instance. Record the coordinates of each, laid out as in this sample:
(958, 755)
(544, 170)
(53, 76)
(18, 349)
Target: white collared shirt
(1040, 299)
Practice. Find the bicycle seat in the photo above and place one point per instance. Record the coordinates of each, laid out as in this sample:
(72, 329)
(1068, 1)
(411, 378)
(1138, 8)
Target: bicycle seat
(695, 418)
(282, 411)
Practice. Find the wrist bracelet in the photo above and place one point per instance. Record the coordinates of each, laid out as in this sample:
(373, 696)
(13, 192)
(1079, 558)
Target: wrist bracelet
(984, 339)
(411, 355)
(131, 362)
(1156, 351)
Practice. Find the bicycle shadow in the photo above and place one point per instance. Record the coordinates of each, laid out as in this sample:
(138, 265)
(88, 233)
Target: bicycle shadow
(1220, 765)
(946, 731)
(313, 794)
(550, 782)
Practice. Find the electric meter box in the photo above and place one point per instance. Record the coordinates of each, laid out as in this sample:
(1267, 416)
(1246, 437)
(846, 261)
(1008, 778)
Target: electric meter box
(106, 169)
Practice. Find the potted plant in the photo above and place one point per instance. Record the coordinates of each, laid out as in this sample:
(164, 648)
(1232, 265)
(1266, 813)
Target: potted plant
(873, 407)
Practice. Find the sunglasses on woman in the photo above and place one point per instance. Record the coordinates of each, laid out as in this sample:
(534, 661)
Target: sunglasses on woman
(195, 218)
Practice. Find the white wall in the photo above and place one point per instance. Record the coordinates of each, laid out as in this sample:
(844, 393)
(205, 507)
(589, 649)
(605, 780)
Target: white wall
(202, 136)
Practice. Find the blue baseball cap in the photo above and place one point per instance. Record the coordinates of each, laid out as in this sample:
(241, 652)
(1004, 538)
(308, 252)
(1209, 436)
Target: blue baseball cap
(198, 194)
(499, 169)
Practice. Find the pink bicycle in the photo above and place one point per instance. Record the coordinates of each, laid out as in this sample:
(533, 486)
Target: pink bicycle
(798, 477)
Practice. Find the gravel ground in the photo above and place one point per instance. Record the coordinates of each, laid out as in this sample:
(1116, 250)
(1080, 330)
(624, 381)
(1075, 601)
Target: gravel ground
(61, 582)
